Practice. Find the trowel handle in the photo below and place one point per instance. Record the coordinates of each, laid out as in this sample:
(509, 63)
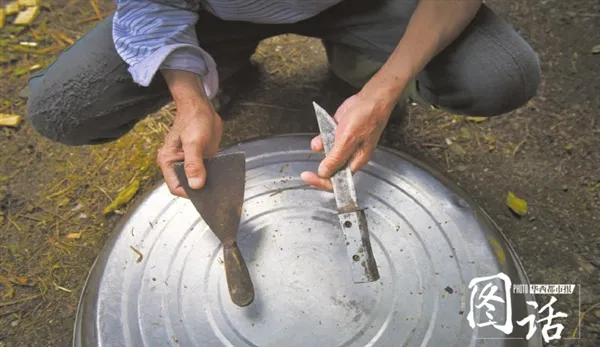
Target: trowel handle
(239, 282)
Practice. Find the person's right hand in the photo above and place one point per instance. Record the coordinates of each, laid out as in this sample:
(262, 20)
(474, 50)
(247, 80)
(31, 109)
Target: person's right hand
(196, 134)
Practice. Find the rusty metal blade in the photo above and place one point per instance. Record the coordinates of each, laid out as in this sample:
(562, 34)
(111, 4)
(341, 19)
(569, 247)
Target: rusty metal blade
(352, 218)
(219, 203)
(343, 185)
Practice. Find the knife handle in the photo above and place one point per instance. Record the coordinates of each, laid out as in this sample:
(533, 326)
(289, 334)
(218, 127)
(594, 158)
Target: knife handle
(239, 282)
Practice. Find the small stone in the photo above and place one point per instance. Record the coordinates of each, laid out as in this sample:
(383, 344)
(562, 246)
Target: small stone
(597, 313)
(565, 188)
(596, 263)
(14, 323)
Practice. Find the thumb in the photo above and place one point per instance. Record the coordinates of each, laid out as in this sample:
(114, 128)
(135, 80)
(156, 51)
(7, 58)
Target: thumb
(194, 165)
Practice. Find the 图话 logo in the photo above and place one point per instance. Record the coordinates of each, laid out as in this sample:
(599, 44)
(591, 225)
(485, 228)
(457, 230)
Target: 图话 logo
(490, 294)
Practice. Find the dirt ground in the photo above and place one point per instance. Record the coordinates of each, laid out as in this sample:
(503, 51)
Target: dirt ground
(547, 153)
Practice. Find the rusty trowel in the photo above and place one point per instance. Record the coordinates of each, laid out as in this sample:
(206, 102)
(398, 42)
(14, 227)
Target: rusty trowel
(219, 203)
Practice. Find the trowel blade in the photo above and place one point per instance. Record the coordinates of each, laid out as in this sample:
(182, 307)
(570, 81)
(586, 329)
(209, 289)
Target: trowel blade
(220, 200)
(219, 203)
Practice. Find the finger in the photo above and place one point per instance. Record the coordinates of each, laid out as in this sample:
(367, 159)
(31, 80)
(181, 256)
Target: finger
(173, 182)
(316, 145)
(360, 158)
(314, 180)
(193, 162)
(165, 162)
(337, 157)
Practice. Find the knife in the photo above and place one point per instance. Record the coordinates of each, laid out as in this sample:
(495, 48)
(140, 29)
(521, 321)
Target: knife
(351, 217)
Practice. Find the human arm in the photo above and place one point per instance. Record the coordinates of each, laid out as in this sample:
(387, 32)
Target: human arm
(152, 36)
(361, 118)
(195, 134)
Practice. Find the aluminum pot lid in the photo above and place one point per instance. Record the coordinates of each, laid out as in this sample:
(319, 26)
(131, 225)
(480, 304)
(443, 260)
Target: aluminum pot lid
(436, 252)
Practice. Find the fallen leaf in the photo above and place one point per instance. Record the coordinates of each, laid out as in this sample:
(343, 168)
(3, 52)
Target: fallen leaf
(74, 236)
(10, 120)
(20, 71)
(476, 119)
(569, 147)
(2, 17)
(9, 291)
(28, 3)
(124, 197)
(21, 280)
(596, 49)
(27, 16)
(519, 206)
(498, 250)
(491, 140)
(12, 8)
(455, 147)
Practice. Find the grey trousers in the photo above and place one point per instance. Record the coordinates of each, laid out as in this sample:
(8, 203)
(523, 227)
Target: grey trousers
(87, 96)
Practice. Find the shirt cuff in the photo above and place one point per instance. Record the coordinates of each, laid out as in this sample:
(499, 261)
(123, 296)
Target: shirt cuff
(178, 57)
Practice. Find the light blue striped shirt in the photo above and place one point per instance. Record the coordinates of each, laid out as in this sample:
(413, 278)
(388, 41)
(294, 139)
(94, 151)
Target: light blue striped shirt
(160, 34)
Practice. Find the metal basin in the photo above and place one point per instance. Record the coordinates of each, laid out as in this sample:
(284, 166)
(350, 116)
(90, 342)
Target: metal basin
(430, 241)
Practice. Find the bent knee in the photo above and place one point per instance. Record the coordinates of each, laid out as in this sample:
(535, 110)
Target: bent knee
(54, 115)
(46, 118)
(512, 87)
(496, 91)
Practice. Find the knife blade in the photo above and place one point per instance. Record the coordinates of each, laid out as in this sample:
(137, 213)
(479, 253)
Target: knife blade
(352, 218)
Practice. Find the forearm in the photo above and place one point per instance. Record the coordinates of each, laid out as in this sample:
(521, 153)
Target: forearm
(187, 90)
(433, 26)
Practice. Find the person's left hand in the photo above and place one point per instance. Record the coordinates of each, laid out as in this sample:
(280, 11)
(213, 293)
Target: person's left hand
(360, 122)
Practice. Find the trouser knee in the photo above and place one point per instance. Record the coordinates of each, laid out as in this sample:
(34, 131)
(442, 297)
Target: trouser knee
(57, 115)
(500, 92)
(48, 114)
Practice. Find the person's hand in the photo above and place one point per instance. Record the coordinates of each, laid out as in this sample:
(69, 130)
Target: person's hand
(360, 122)
(195, 135)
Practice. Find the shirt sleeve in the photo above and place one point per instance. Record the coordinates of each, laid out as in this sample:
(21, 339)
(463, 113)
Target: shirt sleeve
(152, 35)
